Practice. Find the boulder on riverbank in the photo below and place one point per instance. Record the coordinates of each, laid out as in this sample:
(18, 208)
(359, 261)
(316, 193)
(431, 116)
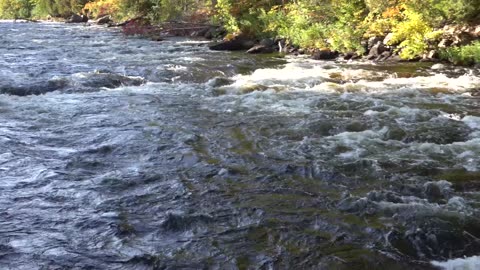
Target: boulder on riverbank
(325, 54)
(351, 56)
(266, 45)
(107, 19)
(215, 32)
(456, 35)
(236, 44)
(376, 50)
(75, 18)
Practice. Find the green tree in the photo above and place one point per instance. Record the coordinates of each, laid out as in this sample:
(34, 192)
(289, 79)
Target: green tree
(16, 9)
(45, 7)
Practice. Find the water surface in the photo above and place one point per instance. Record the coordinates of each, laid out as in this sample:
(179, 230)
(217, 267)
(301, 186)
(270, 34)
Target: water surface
(125, 153)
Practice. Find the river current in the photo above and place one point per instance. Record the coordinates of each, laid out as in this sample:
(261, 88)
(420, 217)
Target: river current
(125, 153)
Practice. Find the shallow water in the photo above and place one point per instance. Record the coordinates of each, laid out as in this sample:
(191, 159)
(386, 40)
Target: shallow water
(124, 153)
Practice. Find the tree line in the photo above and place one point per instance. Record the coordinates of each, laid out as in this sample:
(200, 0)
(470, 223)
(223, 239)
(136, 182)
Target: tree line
(157, 10)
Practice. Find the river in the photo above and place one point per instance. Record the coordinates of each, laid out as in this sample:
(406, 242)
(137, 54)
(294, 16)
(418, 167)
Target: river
(125, 153)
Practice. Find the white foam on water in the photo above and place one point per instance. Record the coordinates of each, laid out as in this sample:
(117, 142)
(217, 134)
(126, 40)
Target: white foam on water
(470, 263)
(438, 80)
(438, 83)
(298, 74)
(191, 59)
(172, 67)
(322, 78)
(403, 112)
(352, 138)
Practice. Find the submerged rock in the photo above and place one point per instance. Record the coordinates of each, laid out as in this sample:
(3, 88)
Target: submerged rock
(80, 82)
(437, 237)
(181, 222)
(36, 89)
(107, 80)
(220, 81)
(436, 191)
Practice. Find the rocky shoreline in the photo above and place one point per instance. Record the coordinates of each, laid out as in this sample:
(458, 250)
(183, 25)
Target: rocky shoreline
(377, 48)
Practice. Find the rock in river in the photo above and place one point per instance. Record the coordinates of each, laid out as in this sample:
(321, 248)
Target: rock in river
(107, 80)
(325, 54)
(104, 20)
(236, 44)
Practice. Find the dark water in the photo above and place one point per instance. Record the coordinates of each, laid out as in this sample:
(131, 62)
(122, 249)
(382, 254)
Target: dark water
(123, 153)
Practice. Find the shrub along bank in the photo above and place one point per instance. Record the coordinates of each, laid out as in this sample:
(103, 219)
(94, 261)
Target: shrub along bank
(381, 29)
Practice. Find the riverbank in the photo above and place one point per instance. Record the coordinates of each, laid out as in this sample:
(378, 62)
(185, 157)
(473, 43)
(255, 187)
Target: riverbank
(377, 49)
(454, 44)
